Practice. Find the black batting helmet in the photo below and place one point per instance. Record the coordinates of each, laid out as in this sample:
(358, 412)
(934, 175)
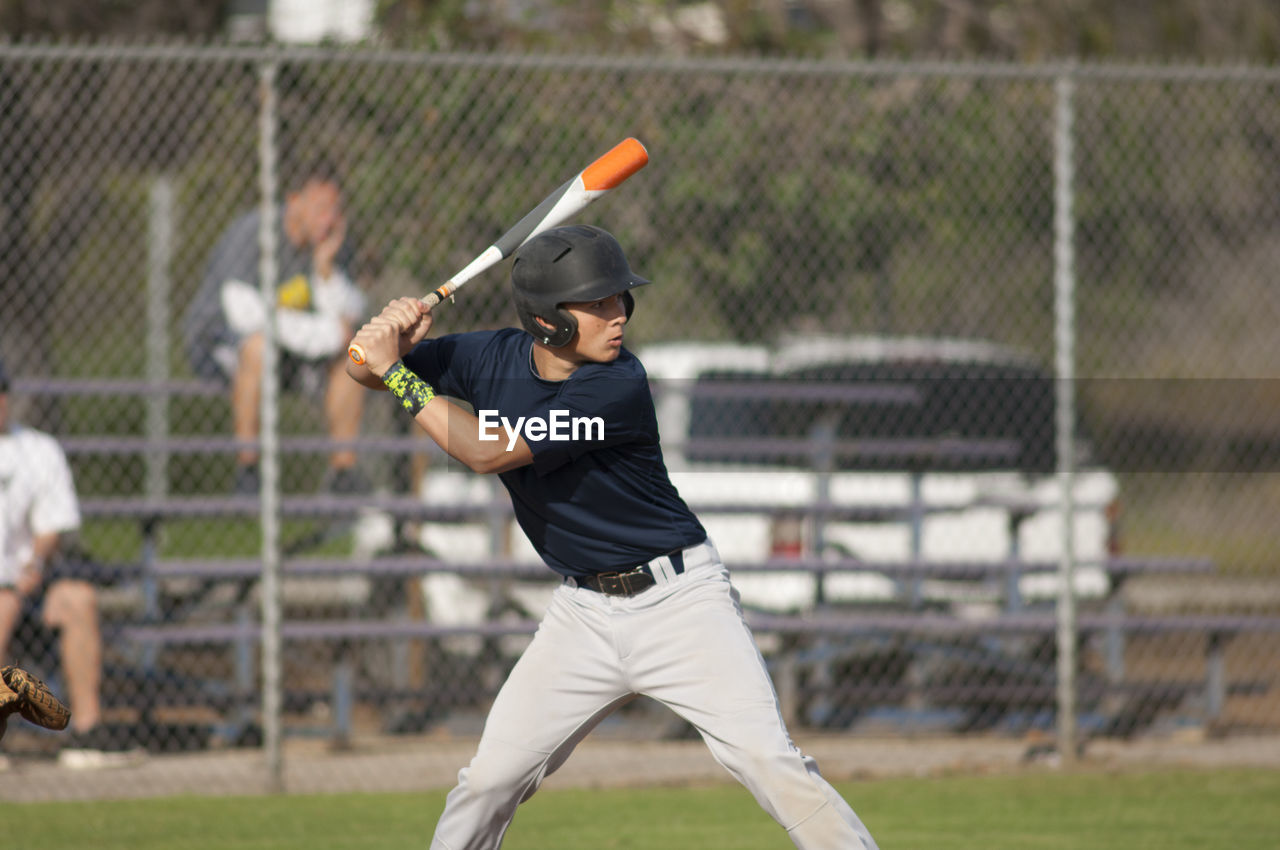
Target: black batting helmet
(566, 265)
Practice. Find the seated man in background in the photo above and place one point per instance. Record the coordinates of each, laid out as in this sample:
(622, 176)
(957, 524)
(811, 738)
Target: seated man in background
(38, 512)
(318, 307)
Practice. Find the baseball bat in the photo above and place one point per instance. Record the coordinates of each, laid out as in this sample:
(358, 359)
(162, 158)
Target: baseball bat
(624, 159)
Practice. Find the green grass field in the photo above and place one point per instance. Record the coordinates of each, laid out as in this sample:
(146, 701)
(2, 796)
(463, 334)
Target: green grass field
(1238, 809)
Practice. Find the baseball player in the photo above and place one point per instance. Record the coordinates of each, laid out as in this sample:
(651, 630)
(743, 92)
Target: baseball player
(564, 416)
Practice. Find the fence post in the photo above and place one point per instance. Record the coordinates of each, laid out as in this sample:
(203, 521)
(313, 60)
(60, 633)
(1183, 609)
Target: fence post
(269, 439)
(159, 298)
(1064, 367)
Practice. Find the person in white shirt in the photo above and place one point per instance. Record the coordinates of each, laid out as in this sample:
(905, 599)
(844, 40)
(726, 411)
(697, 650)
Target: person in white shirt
(39, 511)
(317, 308)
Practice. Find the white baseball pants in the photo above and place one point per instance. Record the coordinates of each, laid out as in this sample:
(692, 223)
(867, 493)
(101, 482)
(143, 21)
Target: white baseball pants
(684, 643)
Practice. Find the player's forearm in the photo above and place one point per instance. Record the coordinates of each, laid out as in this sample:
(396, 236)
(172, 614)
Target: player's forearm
(455, 430)
(458, 432)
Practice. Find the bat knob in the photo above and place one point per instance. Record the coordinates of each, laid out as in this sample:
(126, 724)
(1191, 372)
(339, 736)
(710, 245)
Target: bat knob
(356, 353)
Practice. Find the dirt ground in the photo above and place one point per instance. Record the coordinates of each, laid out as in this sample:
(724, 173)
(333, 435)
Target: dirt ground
(431, 762)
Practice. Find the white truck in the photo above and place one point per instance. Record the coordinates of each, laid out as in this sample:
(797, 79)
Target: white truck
(876, 450)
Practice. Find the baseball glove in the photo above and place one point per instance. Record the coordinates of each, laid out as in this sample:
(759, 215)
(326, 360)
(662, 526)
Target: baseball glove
(24, 694)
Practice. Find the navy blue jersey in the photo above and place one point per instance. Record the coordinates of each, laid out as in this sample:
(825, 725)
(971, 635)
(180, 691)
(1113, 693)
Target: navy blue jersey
(597, 497)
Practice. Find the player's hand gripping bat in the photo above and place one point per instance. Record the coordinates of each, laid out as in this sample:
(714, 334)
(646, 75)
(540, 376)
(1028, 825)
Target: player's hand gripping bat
(625, 159)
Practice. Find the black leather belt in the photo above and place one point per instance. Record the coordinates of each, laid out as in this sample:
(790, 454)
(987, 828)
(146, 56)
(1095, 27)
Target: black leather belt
(631, 582)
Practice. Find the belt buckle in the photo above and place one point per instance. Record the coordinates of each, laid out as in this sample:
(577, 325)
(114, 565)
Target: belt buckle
(611, 584)
(620, 584)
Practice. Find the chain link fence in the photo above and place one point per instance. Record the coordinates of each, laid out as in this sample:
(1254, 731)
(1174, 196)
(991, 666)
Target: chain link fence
(851, 336)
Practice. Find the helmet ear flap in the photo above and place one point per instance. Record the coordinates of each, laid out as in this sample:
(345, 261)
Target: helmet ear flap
(562, 330)
(566, 327)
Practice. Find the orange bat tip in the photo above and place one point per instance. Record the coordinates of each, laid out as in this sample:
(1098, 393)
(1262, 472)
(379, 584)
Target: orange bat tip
(626, 158)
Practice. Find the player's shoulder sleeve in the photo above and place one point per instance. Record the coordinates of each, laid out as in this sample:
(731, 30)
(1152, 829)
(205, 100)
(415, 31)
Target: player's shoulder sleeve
(450, 362)
(606, 405)
(56, 508)
(618, 391)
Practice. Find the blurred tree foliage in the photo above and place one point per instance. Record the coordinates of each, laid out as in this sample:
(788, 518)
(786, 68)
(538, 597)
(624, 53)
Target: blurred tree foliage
(888, 202)
(1011, 30)
(116, 18)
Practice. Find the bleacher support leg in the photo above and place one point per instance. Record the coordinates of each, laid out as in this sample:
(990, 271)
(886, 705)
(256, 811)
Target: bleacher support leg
(1215, 676)
(343, 697)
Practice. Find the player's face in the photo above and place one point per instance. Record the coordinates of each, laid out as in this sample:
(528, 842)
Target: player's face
(600, 323)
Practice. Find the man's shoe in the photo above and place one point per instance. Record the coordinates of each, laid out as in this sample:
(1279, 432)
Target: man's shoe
(248, 481)
(346, 481)
(97, 749)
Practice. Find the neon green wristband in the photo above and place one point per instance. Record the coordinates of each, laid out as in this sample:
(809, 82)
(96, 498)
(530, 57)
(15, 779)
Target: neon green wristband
(413, 392)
